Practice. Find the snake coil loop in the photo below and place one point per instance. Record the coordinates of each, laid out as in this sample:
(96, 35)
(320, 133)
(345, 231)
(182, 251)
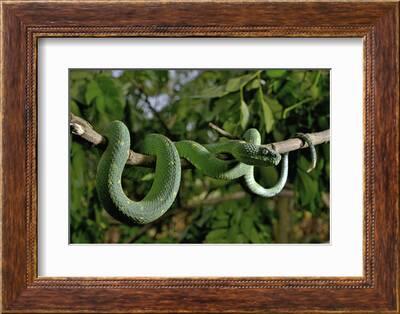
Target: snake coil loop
(109, 172)
(254, 136)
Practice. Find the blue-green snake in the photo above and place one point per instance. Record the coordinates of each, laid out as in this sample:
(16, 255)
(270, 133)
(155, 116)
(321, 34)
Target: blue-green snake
(159, 199)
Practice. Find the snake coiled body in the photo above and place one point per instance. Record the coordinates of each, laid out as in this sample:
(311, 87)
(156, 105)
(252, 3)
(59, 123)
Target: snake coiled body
(165, 185)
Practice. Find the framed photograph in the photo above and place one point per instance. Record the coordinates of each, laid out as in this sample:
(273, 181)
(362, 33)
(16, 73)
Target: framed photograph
(200, 157)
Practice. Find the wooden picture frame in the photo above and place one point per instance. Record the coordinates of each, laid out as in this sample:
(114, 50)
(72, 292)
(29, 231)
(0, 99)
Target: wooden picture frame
(26, 21)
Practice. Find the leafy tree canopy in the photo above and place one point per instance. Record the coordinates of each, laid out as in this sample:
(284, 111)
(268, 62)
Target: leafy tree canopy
(180, 104)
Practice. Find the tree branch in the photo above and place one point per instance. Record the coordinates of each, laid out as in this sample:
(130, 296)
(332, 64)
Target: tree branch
(84, 129)
(222, 131)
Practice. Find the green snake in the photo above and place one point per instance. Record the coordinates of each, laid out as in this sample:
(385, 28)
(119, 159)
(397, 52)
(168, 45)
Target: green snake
(248, 153)
(109, 172)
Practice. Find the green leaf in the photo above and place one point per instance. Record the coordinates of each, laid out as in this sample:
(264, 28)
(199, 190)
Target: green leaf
(107, 94)
(148, 177)
(310, 188)
(315, 92)
(217, 236)
(254, 84)
(275, 85)
(78, 175)
(275, 73)
(297, 76)
(76, 74)
(236, 83)
(100, 104)
(307, 186)
(220, 223)
(73, 107)
(244, 114)
(223, 105)
(237, 216)
(232, 234)
(275, 106)
(247, 225)
(267, 112)
(92, 91)
(231, 86)
(212, 92)
(254, 236)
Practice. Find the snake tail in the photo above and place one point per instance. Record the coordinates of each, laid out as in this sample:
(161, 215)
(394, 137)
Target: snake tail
(307, 139)
(109, 172)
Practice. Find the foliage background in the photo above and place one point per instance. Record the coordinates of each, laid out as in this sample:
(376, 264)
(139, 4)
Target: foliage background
(180, 104)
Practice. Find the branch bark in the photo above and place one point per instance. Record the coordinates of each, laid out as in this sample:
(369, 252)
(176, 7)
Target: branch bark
(84, 129)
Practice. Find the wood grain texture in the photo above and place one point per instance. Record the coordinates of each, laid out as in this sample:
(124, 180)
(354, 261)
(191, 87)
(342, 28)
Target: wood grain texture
(25, 23)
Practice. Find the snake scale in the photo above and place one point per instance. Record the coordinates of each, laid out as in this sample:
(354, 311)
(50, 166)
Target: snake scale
(159, 199)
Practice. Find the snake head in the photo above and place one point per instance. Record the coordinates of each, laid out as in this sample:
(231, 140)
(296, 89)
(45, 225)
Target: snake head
(268, 155)
(257, 155)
